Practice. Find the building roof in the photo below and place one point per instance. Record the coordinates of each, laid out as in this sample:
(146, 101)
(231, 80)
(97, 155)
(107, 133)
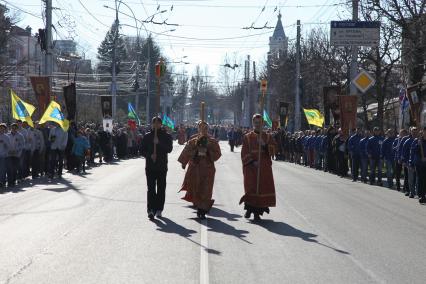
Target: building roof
(279, 30)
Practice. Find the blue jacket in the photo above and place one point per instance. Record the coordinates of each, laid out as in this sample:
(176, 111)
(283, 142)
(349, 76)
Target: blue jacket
(400, 146)
(318, 142)
(363, 147)
(81, 144)
(311, 142)
(416, 153)
(405, 156)
(386, 151)
(305, 141)
(373, 146)
(353, 145)
(395, 148)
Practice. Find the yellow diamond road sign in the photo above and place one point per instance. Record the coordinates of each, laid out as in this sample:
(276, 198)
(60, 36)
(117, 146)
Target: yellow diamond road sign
(363, 81)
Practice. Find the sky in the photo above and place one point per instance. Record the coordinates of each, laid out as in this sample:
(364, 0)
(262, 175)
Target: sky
(209, 33)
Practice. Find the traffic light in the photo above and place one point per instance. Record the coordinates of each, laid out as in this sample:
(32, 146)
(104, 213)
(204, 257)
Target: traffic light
(42, 39)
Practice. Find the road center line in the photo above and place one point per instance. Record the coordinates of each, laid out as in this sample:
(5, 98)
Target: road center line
(204, 255)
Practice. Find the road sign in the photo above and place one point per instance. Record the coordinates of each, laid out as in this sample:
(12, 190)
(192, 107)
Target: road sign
(360, 33)
(263, 85)
(363, 81)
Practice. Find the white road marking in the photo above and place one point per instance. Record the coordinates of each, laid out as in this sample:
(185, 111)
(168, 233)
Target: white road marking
(204, 256)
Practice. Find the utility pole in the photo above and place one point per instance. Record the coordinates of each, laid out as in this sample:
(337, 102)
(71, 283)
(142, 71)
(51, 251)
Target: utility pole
(114, 59)
(247, 95)
(354, 51)
(48, 62)
(148, 80)
(137, 73)
(297, 118)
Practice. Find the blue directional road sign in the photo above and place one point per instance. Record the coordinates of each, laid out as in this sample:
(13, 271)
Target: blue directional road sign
(357, 33)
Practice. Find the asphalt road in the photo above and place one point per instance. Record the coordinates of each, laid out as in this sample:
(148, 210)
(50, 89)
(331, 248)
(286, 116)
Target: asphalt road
(94, 229)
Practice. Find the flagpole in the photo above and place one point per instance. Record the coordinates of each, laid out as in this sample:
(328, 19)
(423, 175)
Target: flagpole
(259, 140)
(159, 71)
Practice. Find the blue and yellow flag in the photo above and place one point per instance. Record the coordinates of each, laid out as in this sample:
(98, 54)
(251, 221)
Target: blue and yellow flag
(21, 110)
(53, 113)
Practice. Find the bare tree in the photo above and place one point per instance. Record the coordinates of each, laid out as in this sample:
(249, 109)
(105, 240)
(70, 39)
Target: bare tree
(410, 19)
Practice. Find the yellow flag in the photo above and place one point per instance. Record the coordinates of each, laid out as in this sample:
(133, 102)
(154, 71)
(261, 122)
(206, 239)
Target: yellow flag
(21, 110)
(54, 113)
(314, 117)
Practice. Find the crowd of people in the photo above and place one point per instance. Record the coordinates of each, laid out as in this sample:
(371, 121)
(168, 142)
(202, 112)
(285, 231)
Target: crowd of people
(45, 150)
(366, 156)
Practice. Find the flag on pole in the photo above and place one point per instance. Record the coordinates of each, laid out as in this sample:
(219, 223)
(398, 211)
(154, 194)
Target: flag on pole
(403, 99)
(167, 121)
(53, 113)
(267, 119)
(314, 117)
(132, 113)
(21, 110)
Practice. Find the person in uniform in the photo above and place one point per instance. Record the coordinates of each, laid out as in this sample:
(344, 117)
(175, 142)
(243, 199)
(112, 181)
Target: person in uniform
(397, 147)
(355, 153)
(418, 161)
(4, 149)
(232, 135)
(17, 145)
(181, 135)
(199, 154)
(58, 142)
(387, 155)
(374, 145)
(410, 169)
(259, 195)
(156, 166)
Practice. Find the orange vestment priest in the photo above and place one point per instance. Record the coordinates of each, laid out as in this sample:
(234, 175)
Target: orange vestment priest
(255, 200)
(199, 178)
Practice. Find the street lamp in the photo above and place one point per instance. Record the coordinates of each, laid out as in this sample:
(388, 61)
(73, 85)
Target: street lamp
(114, 76)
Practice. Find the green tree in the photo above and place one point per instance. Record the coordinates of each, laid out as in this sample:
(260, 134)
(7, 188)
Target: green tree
(113, 41)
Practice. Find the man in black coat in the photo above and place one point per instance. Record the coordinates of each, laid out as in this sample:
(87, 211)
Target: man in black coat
(156, 165)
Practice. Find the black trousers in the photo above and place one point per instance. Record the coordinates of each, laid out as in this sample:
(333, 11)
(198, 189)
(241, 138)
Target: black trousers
(12, 170)
(156, 195)
(35, 164)
(421, 177)
(356, 162)
(232, 145)
(406, 180)
(56, 162)
(398, 170)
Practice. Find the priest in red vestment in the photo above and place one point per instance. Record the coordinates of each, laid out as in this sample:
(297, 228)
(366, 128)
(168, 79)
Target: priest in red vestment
(260, 196)
(199, 154)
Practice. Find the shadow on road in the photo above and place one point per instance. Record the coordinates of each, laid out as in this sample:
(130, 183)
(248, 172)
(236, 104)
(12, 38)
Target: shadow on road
(216, 225)
(166, 225)
(219, 213)
(287, 230)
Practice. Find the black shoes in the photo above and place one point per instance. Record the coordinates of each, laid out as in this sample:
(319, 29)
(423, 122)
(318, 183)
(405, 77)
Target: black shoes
(256, 217)
(422, 200)
(151, 215)
(247, 215)
(201, 214)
